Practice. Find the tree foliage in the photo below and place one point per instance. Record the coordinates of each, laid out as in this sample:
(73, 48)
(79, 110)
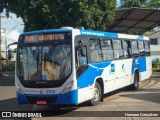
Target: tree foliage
(47, 14)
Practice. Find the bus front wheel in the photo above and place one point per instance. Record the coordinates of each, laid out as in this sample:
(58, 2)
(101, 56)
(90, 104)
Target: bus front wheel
(97, 95)
(135, 85)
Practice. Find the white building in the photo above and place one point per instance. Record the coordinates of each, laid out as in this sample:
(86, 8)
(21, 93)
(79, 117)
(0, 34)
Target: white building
(155, 45)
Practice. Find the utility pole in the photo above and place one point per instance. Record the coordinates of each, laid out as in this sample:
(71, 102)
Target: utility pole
(1, 33)
(0, 46)
(6, 46)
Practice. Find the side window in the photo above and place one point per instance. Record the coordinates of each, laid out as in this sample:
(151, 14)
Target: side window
(107, 49)
(141, 48)
(147, 48)
(134, 47)
(118, 51)
(154, 41)
(127, 48)
(81, 55)
(82, 58)
(96, 53)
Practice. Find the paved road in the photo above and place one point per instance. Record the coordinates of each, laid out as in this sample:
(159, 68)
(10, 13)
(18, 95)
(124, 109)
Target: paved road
(147, 98)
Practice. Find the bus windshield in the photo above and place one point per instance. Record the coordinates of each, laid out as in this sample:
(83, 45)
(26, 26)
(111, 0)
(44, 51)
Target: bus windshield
(44, 63)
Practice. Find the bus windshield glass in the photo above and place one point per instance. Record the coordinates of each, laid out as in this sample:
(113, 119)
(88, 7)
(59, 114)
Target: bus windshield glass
(44, 62)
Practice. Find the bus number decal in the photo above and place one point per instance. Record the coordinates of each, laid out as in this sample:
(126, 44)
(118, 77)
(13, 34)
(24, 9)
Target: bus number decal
(50, 91)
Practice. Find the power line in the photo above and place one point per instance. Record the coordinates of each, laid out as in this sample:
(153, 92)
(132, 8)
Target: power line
(12, 30)
(1, 34)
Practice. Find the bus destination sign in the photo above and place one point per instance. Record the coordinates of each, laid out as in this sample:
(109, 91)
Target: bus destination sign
(44, 37)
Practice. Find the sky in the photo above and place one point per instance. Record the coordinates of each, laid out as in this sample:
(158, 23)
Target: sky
(13, 28)
(118, 3)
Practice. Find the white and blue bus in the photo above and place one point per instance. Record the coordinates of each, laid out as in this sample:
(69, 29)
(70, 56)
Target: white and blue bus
(71, 66)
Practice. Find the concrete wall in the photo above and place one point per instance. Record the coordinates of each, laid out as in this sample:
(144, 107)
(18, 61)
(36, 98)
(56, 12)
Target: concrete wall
(155, 49)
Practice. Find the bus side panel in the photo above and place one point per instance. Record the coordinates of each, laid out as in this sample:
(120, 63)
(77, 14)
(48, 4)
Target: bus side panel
(117, 75)
(85, 82)
(145, 68)
(123, 73)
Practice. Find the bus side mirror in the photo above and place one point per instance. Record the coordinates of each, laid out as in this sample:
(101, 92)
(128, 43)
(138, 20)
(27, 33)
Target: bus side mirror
(9, 55)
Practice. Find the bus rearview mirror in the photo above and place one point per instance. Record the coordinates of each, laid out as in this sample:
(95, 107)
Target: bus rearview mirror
(9, 55)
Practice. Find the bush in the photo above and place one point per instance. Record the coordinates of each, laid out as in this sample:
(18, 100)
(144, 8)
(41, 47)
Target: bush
(9, 66)
(156, 65)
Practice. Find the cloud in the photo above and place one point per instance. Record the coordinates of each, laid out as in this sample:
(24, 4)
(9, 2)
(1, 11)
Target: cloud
(13, 36)
(13, 28)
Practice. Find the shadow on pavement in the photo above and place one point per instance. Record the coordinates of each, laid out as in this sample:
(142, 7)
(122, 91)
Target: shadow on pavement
(7, 78)
(11, 105)
(151, 97)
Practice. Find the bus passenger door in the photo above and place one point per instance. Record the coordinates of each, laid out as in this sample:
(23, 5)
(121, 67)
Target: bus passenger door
(83, 74)
(120, 72)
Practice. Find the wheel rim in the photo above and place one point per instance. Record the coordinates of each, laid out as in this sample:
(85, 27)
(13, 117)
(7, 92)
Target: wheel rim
(96, 94)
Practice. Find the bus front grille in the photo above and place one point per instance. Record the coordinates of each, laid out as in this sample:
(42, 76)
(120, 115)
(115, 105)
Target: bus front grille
(34, 99)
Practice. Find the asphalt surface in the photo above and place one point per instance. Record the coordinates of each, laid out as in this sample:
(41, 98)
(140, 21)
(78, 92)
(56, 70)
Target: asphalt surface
(147, 98)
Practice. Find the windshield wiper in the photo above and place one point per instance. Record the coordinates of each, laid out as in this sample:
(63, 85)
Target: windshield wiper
(37, 60)
(45, 60)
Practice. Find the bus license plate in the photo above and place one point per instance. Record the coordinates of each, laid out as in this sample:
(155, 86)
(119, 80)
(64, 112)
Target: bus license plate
(41, 102)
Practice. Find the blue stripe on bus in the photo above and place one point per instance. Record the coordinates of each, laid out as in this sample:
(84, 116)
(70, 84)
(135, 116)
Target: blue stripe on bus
(140, 37)
(141, 66)
(66, 98)
(104, 34)
(88, 77)
(97, 33)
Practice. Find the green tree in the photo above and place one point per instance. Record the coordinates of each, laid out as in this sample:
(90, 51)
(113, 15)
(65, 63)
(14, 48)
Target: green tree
(47, 14)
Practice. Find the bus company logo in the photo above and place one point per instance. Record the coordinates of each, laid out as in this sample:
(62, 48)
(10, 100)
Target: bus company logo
(123, 68)
(30, 91)
(92, 33)
(113, 68)
(41, 91)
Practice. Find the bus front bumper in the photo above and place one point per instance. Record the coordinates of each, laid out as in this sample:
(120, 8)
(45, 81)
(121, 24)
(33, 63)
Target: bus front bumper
(66, 98)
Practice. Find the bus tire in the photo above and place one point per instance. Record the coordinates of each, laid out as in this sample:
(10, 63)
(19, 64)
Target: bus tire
(97, 95)
(135, 85)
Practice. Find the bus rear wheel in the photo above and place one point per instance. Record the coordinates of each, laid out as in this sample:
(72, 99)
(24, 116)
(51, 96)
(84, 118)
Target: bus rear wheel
(97, 95)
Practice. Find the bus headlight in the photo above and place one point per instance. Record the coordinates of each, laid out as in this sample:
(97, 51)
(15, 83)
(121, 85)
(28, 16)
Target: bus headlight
(19, 89)
(67, 88)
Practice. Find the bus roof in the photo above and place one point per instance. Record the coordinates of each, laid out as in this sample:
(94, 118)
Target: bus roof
(92, 33)
(46, 31)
